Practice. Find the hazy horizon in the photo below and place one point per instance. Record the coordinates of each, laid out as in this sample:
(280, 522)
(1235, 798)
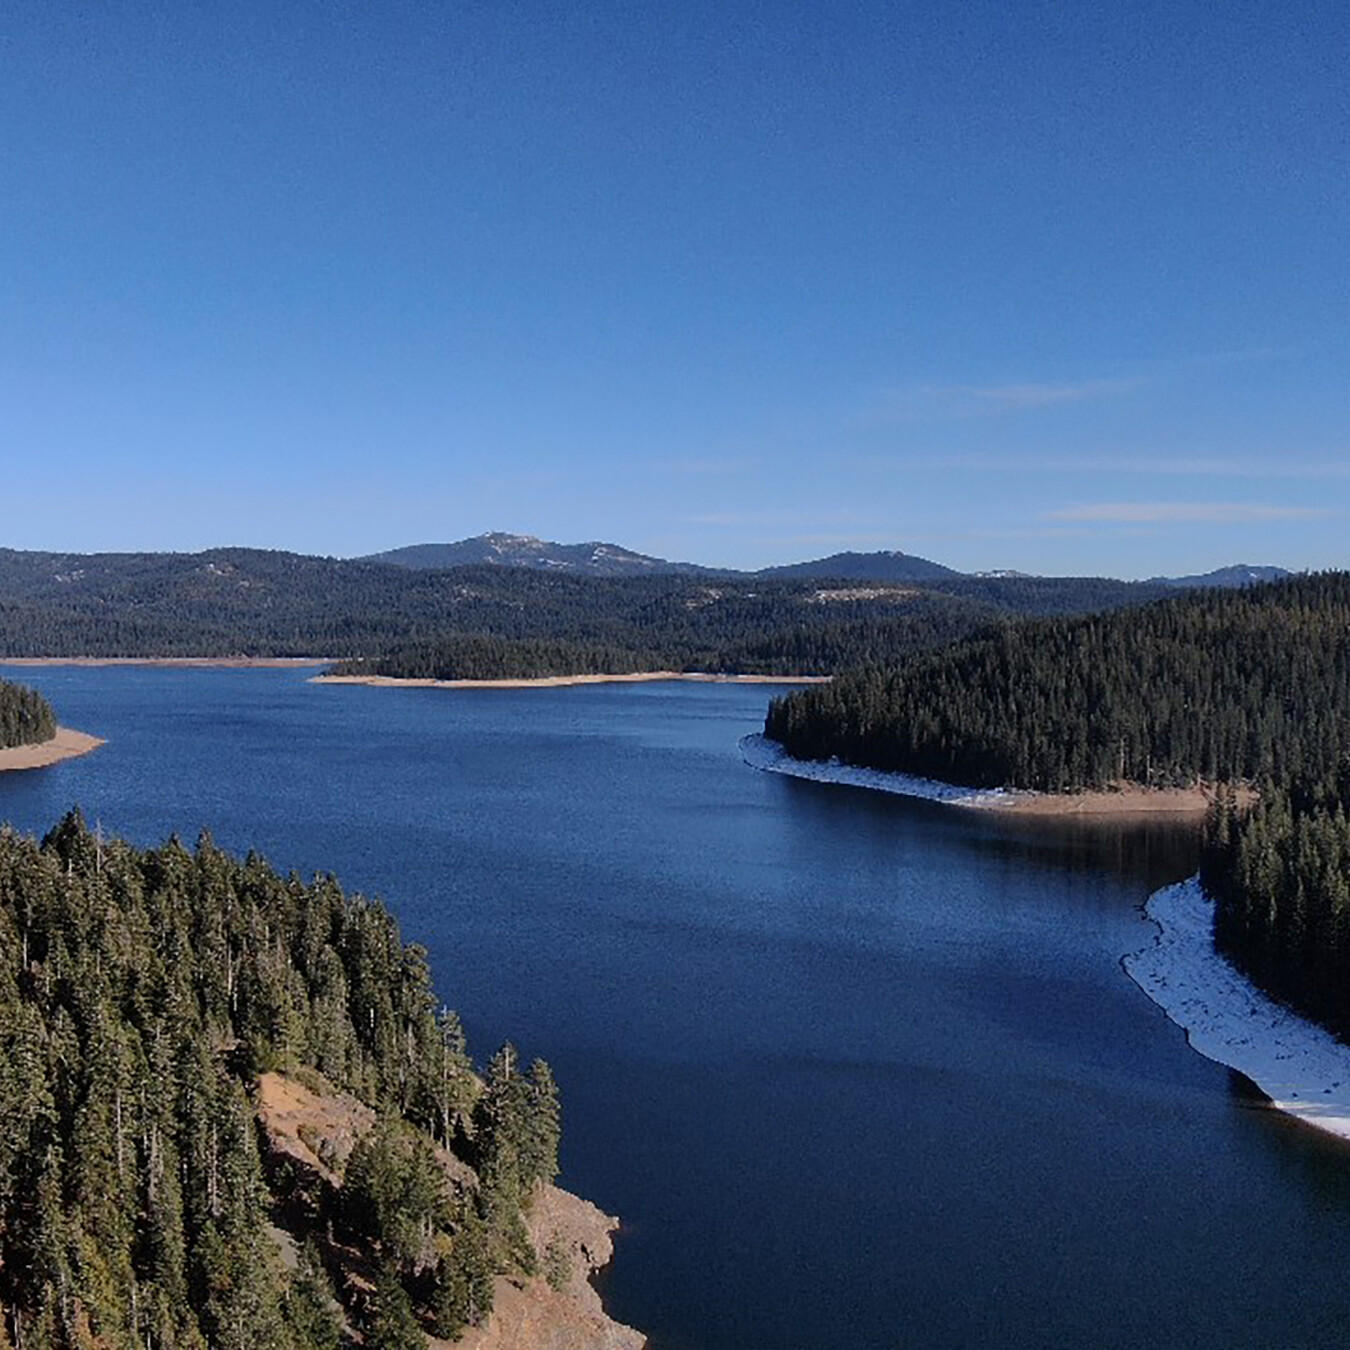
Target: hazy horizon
(612, 542)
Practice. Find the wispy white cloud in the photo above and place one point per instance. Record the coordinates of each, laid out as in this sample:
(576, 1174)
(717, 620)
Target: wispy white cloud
(1241, 356)
(731, 520)
(940, 402)
(1006, 532)
(1010, 396)
(1176, 513)
(1272, 466)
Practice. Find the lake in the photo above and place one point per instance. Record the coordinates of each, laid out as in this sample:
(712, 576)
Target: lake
(856, 1071)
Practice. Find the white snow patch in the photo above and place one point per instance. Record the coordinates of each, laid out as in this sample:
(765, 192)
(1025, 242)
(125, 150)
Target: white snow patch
(1303, 1069)
(761, 753)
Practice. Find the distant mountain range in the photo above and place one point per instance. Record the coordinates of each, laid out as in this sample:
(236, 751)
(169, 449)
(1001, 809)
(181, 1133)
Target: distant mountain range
(612, 560)
(510, 605)
(1239, 574)
(524, 550)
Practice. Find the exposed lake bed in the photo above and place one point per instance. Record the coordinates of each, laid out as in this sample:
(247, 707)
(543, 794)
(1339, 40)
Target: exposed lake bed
(66, 744)
(852, 1070)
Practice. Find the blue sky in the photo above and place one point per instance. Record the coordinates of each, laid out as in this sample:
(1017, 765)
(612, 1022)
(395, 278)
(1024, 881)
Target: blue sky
(1054, 286)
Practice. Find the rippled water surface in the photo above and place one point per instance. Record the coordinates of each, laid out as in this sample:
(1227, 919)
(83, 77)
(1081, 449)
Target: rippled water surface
(855, 1071)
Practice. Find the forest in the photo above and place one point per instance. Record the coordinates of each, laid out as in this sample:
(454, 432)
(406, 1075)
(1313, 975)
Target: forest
(1279, 876)
(722, 634)
(250, 602)
(143, 994)
(1250, 684)
(26, 718)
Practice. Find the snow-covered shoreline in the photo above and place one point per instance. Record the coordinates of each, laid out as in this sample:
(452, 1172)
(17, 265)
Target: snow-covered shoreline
(1303, 1069)
(761, 753)
(1119, 801)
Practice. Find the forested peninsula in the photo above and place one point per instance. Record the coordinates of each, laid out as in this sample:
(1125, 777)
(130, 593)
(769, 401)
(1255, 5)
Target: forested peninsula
(231, 1115)
(1249, 684)
(29, 735)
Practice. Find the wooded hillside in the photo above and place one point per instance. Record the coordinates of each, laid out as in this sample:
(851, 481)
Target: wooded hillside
(250, 602)
(142, 992)
(1220, 685)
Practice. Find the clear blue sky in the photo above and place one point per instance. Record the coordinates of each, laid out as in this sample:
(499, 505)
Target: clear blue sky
(1061, 287)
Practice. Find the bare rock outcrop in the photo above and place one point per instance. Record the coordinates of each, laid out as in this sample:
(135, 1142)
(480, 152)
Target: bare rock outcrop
(314, 1126)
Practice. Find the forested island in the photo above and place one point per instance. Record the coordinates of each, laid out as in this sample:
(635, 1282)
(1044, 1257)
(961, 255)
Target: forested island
(1246, 687)
(26, 718)
(231, 1115)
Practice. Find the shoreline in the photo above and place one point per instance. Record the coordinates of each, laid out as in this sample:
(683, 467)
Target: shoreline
(761, 753)
(564, 681)
(221, 662)
(66, 744)
(1302, 1068)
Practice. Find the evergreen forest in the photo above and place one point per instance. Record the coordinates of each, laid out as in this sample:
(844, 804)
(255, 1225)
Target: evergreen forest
(26, 718)
(1250, 684)
(1279, 876)
(497, 621)
(144, 997)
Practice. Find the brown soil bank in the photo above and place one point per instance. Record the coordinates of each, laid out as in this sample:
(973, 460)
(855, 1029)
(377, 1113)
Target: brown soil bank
(560, 681)
(315, 1126)
(225, 662)
(66, 744)
(1127, 799)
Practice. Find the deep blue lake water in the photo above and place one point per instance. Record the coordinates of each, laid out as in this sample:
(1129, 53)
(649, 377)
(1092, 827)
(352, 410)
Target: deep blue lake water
(855, 1071)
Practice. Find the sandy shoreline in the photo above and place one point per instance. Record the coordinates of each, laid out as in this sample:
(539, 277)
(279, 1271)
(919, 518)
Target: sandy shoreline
(563, 681)
(761, 753)
(1128, 800)
(222, 662)
(1303, 1069)
(66, 744)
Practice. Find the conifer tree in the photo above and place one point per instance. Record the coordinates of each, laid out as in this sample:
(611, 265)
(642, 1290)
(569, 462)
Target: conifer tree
(392, 1324)
(312, 1315)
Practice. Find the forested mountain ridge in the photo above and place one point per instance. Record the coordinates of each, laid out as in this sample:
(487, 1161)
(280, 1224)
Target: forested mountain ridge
(601, 559)
(885, 565)
(1247, 684)
(142, 994)
(1238, 574)
(26, 718)
(246, 602)
(524, 550)
(612, 560)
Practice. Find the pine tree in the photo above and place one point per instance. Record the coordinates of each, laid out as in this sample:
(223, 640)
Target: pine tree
(540, 1126)
(311, 1313)
(391, 1324)
(463, 1292)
